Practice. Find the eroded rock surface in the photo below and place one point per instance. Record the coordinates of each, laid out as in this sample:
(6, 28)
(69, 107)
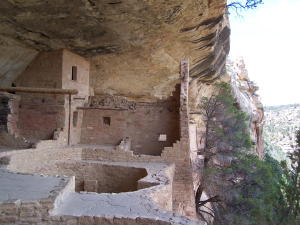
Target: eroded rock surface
(134, 46)
(245, 92)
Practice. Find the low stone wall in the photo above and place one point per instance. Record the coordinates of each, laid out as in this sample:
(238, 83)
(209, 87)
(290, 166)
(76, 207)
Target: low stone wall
(34, 161)
(24, 212)
(44, 219)
(34, 211)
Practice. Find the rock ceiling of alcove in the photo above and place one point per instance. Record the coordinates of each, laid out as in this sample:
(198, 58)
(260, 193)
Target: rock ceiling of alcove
(167, 30)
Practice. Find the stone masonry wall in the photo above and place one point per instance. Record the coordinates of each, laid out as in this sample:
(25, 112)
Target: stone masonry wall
(9, 116)
(41, 114)
(32, 213)
(106, 123)
(179, 154)
(9, 110)
(34, 161)
(183, 180)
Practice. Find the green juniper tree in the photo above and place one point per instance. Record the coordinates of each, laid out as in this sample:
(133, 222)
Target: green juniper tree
(291, 186)
(226, 126)
(226, 133)
(249, 191)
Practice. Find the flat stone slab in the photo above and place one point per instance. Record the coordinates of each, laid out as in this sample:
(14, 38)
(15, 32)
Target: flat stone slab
(26, 187)
(123, 205)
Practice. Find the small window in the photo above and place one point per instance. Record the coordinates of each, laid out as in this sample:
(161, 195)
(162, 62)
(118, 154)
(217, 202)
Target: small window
(75, 118)
(106, 121)
(74, 73)
(162, 137)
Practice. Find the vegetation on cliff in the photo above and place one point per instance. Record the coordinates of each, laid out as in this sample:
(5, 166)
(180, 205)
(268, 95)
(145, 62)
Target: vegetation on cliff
(291, 185)
(241, 188)
(226, 126)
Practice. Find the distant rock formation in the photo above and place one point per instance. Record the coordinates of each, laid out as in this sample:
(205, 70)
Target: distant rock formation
(281, 123)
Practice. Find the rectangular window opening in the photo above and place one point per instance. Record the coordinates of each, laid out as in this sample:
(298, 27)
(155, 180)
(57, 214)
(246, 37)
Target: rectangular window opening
(74, 73)
(162, 137)
(106, 120)
(75, 118)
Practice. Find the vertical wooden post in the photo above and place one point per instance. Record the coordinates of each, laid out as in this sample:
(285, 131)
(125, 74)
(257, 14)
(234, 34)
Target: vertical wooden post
(69, 126)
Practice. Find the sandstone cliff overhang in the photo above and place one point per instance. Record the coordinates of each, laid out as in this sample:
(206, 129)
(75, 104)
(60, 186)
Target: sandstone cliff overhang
(140, 41)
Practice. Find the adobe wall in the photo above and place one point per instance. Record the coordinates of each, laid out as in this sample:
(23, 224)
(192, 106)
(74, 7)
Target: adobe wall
(81, 83)
(109, 119)
(41, 114)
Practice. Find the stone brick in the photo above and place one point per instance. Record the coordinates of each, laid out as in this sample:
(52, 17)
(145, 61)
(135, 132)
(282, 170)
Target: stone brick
(8, 219)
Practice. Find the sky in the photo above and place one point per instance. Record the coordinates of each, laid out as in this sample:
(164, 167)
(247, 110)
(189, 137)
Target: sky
(268, 38)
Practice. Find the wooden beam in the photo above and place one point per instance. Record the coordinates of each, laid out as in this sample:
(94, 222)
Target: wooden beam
(56, 91)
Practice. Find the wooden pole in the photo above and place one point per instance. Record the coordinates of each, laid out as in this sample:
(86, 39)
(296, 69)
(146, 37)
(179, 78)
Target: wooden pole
(69, 130)
(56, 91)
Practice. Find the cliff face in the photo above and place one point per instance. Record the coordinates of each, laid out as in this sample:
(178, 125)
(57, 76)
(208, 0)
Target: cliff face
(217, 156)
(134, 47)
(245, 92)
